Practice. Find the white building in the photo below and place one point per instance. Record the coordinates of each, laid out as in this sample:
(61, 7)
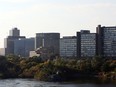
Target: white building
(68, 46)
(2, 51)
(33, 53)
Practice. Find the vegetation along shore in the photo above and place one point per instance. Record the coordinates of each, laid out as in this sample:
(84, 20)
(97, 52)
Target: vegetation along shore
(58, 69)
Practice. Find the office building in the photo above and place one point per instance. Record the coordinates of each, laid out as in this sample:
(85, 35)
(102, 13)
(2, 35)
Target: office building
(22, 47)
(49, 41)
(15, 32)
(9, 41)
(68, 46)
(106, 41)
(86, 44)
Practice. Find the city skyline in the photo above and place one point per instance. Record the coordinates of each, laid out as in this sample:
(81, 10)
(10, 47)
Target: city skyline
(63, 16)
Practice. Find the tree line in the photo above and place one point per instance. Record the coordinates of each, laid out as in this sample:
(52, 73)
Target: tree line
(57, 69)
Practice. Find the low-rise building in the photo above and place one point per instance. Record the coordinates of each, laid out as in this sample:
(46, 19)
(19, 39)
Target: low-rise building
(2, 51)
(33, 53)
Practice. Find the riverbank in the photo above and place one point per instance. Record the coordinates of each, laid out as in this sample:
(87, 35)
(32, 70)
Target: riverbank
(57, 70)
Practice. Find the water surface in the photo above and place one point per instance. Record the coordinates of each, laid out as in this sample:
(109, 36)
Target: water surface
(35, 83)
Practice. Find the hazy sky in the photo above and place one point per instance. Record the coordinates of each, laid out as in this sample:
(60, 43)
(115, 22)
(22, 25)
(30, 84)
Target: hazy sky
(63, 16)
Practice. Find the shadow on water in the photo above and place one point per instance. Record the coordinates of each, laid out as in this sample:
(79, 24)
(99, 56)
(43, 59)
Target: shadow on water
(93, 81)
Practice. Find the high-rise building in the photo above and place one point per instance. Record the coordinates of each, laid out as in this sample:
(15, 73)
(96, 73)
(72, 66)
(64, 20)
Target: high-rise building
(9, 41)
(49, 41)
(106, 41)
(22, 47)
(86, 44)
(15, 32)
(68, 46)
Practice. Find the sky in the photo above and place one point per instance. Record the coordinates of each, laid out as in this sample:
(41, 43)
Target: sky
(63, 16)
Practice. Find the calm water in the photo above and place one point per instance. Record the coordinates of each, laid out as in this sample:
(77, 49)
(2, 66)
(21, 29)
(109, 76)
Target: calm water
(34, 83)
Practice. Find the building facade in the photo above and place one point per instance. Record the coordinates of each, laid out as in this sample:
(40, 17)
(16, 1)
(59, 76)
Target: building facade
(49, 41)
(14, 32)
(2, 51)
(68, 46)
(22, 47)
(106, 42)
(9, 41)
(86, 44)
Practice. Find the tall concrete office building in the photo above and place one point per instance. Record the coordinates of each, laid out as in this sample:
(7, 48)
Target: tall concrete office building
(106, 41)
(68, 46)
(86, 44)
(9, 41)
(49, 41)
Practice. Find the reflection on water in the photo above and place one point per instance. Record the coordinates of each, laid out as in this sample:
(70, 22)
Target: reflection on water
(34, 83)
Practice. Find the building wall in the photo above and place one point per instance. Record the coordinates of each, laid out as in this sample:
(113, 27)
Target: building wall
(86, 44)
(48, 40)
(99, 48)
(22, 47)
(14, 32)
(2, 51)
(78, 44)
(109, 41)
(107, 37)
(9, 45)
(68, 47)
(33, 53)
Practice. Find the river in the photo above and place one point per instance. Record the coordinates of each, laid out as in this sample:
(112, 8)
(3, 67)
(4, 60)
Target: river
(35, 83)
